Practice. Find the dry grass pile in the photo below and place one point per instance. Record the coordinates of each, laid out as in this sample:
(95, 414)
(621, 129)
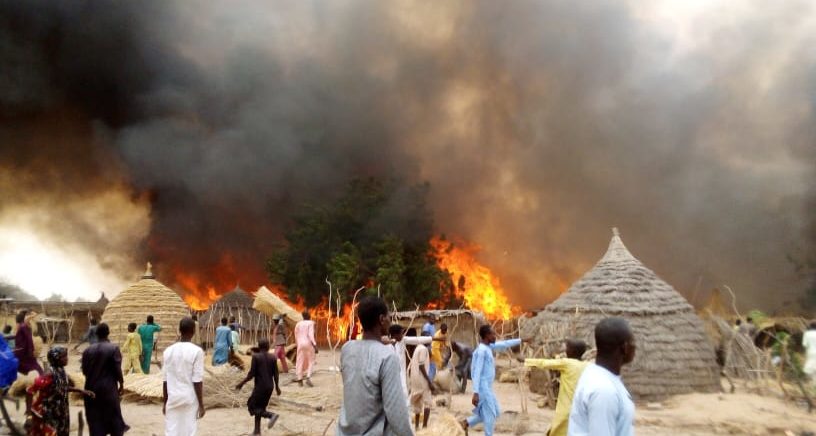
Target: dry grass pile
(743, 360)
(270, 304)
(442, 424)
(18, 388)
(143, 387)
(445, 380)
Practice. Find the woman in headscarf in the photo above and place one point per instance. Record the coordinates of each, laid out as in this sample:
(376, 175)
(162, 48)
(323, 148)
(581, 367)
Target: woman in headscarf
(48, 414)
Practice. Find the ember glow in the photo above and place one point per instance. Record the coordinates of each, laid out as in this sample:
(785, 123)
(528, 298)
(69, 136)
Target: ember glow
(475, 283)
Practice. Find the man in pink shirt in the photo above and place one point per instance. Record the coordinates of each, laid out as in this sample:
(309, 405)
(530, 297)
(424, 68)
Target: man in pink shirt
(306, 349)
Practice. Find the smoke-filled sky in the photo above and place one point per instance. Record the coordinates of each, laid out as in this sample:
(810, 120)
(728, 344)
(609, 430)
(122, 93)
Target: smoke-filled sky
(187, 133)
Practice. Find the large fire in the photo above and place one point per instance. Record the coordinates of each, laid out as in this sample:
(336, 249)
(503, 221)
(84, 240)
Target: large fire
(475, 283)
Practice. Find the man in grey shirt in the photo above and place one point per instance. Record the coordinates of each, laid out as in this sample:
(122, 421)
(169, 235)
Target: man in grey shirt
(373, 400)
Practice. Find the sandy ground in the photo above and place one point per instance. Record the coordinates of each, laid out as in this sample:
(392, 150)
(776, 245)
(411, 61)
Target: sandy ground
(695, 414)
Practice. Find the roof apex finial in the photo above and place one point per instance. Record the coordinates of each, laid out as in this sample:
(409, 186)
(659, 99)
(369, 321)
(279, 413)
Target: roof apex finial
(615, 231)
(148, 274)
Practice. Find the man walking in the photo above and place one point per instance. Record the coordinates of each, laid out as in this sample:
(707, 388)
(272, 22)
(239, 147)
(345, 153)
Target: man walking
(306, 348)
(571, 369)
(24, 346)
(102, 368)
(222, 343)
(602, 406)
(400, 342)
(483, 373)
(146, 332)
(264, 372)
(462, 369)
(438, 349)
(183, 387)
(422, 389)
(279, 334)
(133, 351)
(90, 336)
(373, 400)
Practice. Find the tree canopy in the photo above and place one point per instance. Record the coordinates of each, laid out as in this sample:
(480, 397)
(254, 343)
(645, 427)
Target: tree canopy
(375, 234)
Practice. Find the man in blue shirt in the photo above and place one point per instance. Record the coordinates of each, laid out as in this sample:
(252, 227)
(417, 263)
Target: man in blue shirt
(483, 372)
(601, 405)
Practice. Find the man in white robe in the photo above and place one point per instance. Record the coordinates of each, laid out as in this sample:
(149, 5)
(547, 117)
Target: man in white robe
(183, 388)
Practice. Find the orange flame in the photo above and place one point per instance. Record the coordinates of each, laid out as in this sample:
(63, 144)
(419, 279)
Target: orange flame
(337, 325)
(199, 294)
(475, 283)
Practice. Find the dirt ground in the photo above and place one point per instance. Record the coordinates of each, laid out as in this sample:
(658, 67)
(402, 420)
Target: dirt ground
(741, 413)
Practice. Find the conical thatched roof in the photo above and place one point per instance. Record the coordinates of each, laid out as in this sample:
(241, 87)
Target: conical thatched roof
(237, 303)
(674, 355)
(146, 297)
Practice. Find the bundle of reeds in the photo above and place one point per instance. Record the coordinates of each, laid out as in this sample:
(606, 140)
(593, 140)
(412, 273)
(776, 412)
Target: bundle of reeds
(18, 388)
(143, 387)
(443, 424)
(270, 304)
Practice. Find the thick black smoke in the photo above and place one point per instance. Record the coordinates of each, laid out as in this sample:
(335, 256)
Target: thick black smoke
(539, 126)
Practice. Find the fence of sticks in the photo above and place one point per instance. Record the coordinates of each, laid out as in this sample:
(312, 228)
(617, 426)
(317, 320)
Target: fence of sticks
(755, 368)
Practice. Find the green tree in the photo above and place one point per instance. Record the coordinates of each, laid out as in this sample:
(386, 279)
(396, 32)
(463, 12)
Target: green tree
(344, 267)
(391, 271)
(376, 231)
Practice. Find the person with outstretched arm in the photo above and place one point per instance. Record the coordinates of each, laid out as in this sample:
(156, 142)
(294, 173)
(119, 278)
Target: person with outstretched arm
(570, 369)
(90, 336)
(483, 373)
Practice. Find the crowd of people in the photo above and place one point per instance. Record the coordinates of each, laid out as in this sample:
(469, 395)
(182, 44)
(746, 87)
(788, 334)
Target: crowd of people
(382, 388)
(379, 401)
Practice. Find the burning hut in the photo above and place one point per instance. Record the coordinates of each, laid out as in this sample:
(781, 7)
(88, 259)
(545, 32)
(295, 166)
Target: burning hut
(237, 303)
(674, 355)
(146, 297)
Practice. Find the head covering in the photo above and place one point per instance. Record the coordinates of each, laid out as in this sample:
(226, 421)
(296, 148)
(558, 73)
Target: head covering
(55, 356)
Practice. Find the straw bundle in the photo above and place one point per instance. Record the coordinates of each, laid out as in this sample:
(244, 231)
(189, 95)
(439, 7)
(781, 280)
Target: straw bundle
(742, 359)
(674, 354)
(18, 388)
(445, 380)
(443, 424)
(270, 304)
(143, 387)
(143, 298)
(77, 379)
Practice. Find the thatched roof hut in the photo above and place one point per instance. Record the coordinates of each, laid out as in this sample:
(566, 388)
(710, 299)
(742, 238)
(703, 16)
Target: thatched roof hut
(237, 303)
(674, 355)
(146, 297)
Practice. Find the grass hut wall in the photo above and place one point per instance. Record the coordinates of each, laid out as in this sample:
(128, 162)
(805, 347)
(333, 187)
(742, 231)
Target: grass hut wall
(146, 297)
(674, 355)
(237, 303)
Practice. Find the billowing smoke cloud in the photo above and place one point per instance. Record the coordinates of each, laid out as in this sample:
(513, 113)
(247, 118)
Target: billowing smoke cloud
(539, 126)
